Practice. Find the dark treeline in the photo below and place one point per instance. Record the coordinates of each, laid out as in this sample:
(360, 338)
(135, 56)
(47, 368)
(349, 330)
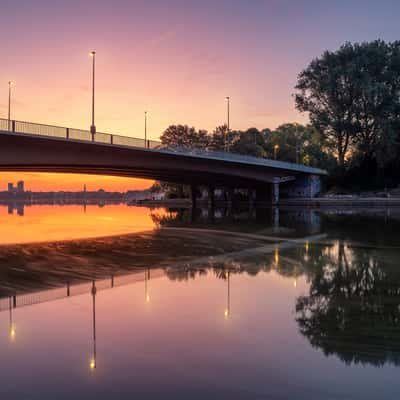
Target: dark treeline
(352, 98)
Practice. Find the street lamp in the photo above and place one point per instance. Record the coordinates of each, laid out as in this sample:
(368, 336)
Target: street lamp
(228, 103)
(276, 148)
(93, 126)
(10, 84)
(145, 129)
(297, 143)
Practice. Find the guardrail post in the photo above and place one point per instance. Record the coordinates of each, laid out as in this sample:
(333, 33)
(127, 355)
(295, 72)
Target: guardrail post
(111, 139)
(148, 144)
(13, 125)
(67, 133)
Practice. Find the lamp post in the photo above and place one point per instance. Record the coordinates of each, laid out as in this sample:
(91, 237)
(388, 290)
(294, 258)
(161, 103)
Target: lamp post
(297, 143)
(276, 148)
(93, 126)
(228, 103)
(10, 84)
(145, 129)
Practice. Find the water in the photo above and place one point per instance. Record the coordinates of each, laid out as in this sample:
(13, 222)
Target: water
(123, 302)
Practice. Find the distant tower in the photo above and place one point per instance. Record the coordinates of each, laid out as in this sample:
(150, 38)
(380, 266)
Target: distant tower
(84, 188)
(10, 187)
(20, 187)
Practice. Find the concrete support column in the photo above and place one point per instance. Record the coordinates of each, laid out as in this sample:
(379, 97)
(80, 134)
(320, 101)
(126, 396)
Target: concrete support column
(194, 203)
(275, 218)
(211, 202)
(275, 193)
(193, 196)
(230, 194)
(252, 199)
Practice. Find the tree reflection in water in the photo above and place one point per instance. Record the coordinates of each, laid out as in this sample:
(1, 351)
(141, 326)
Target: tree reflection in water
(352, 309)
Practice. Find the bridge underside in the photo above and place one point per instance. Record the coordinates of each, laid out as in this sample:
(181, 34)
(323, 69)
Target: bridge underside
(21, 152)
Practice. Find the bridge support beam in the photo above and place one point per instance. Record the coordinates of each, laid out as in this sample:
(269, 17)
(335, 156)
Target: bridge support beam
(275, 193)
(230, 197)
(211, 202)
(193, 196)
(252, 199)
(275, 218)
(305, 186)
(268, 194)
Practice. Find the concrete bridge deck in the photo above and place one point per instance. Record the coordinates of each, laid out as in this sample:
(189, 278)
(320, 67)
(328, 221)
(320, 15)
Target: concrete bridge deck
(26, 146)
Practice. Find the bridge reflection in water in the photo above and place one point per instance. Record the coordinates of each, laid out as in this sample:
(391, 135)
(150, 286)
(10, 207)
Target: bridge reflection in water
(224, 265)
(11, 303)
(30, 299)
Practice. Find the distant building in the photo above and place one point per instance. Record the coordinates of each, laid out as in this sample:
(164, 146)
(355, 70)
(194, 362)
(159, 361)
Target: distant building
(20, 187)
(10, 188)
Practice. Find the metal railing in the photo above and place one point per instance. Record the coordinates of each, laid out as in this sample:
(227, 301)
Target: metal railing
(106, 138)
(32, 128)
(76, 289)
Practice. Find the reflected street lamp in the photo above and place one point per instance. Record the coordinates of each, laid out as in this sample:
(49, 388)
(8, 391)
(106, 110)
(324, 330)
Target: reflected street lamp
(227, 312)
(146, 292)
(276, 257)
(10, 84)
(93, 363)
(93, 126)
(13, 330)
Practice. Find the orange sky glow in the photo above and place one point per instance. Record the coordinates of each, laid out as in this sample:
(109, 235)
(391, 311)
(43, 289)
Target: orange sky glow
(45, 182)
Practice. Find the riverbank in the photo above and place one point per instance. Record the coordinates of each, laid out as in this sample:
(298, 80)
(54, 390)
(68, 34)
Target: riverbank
(359, 202)
(317, 202)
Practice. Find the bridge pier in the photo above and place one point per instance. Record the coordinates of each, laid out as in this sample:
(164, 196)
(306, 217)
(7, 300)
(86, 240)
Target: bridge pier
(275, 218)
(304, 186)
(252, 199)
(193, 196)
(275, 193)
(268, 194)
(211, 202)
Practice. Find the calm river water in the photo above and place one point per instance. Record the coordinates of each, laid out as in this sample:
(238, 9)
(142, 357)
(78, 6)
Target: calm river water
(121, 302)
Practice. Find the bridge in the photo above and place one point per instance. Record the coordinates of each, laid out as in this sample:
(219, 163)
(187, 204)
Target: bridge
(31, 147)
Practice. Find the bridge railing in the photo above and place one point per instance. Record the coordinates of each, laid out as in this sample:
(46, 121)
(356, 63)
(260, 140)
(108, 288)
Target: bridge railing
(27, 299)
(100, 137)
(32, 128)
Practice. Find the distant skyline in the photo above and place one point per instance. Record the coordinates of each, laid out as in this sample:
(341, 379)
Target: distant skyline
(178, 60)
(37, 182)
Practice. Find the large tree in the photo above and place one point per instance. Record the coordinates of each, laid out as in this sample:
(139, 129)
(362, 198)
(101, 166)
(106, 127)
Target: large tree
(352, 97)
(326, 89)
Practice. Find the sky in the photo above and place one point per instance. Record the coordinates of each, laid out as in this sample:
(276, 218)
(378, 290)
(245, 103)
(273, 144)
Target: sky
(176, 59)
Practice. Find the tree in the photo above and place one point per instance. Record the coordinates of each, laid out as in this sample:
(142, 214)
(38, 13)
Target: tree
(218, 138)
(184, 136)
(250, 142)
(352, 97)
(325, 89)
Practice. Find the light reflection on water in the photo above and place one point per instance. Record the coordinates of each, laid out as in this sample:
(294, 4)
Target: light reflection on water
(188, 311)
